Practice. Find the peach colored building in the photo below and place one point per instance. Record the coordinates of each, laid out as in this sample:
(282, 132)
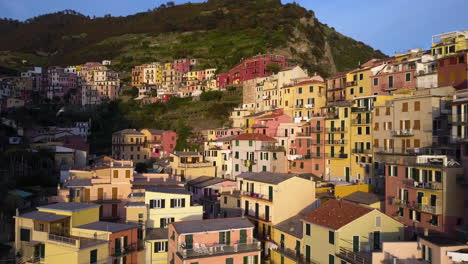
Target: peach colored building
(406, 252)
(214, 241)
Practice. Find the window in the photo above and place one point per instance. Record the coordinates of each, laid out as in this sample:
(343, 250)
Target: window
(390, 81)
(376, 81)
(378, 221)
(177, 203)
(308, 229)
(229, 261)
(361, 89)
(427, 253)
(116, 174)
(331, 259)
(361, 76)
(417, 125)
(25, 234)
(264, 168)
(236, 154)
(93, 256)
(404, 107)
(351, 91)
(250, 143)
(408, 77)
(225, 199)
(331, 237)
(299, 90)
(311, 89)
(160, 203)
(160, 246)
(387, 111)
(164, 221)
(417, 106)
(237, 143)
(236, 168)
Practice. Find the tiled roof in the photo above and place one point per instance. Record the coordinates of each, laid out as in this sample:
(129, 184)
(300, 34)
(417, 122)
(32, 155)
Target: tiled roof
(43, 216)
(156, 131)
(254, 136)
(335, 214)
(443, 240)
(199, 179)
(211, 225)
(266, 177)
(210, 182)
(156, 233)
(78, 183)
(338, 74)
(135, 204)
(363, 198)
(69, 207)
(293, 225)
(168, 190)
(224, 139)
(107, 226)
(256, 114)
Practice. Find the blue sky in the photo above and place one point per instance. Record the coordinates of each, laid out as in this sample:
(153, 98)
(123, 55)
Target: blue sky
(391, 26)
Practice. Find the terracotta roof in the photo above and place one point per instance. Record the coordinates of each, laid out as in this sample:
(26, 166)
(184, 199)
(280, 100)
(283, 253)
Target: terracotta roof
(254, 136)
(211, 225)
(308, 82)
(363, 198)
(128, 132)
(266, 177)
(335, 214)
(338, 74)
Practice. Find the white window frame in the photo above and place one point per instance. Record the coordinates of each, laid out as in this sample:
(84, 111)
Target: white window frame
(162, 246)
(177, 202)
(157, 203)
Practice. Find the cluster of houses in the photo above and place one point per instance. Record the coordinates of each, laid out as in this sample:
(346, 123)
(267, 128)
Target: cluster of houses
(89, 84)
(366, 166)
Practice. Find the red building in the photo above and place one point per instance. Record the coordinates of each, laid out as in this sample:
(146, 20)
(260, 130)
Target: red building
(268, 124)
(222, 80)
(184, 65)
(336, 88)
(123, 240)
(395, 75)
(453, 71)
(255, 67)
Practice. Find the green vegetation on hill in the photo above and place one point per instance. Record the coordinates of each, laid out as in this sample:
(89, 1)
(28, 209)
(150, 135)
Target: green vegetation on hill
(219, 32)
(183, 115)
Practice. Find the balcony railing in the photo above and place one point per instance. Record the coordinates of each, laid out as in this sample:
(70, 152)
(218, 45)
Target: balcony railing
(335, 142)
(403, 133)
(272, 148)
(203, 251)
(336, 129)
(361, 151)
(257, 195)
(336, 155)
(417, 206)
(292, 254)
(423, 185)
(459, 119)
(195, 165)
(352, 83)
(354, 257)
(363, 121)
(125, 250)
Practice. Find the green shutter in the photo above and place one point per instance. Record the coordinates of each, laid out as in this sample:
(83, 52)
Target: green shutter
(42, 250)
(270, 193)
(243, 236)
(228, 238)
(246, 260)
(229, 261)
(256, 259)
(221, 237)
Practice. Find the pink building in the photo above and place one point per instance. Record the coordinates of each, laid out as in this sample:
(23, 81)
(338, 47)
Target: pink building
(255, 67)
(268, 124)
(308, 149)
(222, 240)
(160, 142)
(61, 83)
(393, 75)
(184, 65)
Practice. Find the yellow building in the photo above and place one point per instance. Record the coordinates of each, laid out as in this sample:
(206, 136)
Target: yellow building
(358, 81)
(190, 165)
(304, 99)
(156, 244)
(45, 234)
(130, 144)
(287, 239)
(340, 232)
(338, 191)
(266, 198)
(447, 44)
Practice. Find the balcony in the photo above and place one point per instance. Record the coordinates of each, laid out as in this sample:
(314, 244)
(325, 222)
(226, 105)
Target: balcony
(460, 119)
(293, 255)
(259, 196)
(426, 208)
(336, 129)
(195, 165)
(352, 83)
(336, 156)
(125, 250)
(272, 148)
(316, 129)
(354, 257)
(360, 109)
(403, 133)
(104, 199)
(335, 142)
(364, 121)
(203, 251)
(331, 116)
(309, 106)
(361, 151)
(77, 242)
(434, 186)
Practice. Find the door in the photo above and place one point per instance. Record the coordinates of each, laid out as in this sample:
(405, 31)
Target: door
(189, 241)
(270, 193)
(93, 256)
(267, 213)
(114, 210)
(87, 195)
(376, 240)
(355, 243)
(433, 200)
(298, 248)
(117, 246)
(114, 193)
(307, 252)
(347, 174)
(100, 194)
(257, 209)
(243, 236)
(420, 197)
(228, 238)
(246, 212)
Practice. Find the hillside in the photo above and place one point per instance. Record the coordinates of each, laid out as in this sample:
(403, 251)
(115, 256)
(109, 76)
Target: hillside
(218, 32)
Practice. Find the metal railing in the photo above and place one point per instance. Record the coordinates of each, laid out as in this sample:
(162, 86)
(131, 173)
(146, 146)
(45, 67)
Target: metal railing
(427, 208)
(403, 133)
(336, 155)
(217, 249)
(335, 142)
(361, 151)
(195, 165)
(125, 250)
(256, 195)
(354, 257)
(272, 148)
(64, 240)
(292, 254)
(423, 185)
(336, 129)
(362, 121)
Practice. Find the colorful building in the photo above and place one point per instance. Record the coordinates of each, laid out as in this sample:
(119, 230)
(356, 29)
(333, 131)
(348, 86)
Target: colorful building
(190, 165)
(130, 144)
(448, 44)
(228, 240)
(255, 67)
(341, 232)
(160, 142)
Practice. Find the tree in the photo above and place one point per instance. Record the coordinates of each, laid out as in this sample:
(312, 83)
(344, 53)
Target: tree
(133, 92)
(141, 167)
(211, 96)
(273, 68)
